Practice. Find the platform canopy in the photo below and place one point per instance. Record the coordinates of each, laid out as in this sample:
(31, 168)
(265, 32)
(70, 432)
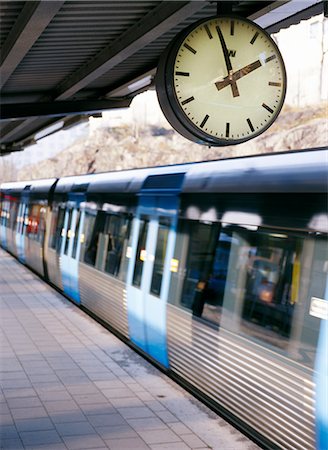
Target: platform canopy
(62, 61)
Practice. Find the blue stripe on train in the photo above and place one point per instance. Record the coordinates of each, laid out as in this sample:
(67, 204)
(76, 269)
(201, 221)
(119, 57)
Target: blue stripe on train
(321, 382)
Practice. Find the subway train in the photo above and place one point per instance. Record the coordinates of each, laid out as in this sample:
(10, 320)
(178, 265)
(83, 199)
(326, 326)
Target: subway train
(216, 271)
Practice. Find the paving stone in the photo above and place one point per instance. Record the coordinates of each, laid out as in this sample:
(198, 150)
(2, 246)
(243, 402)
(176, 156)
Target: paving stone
(150, 423)
(8, 432)
(179, 428)
(74, 429)
(117, 393)
(5, 419)
(82, 388)
(116, 432)
(127, 444)
(24, 402)
(175, 446)
(4, 408)
(67, 416)
(16, 393)
(83, 442)
(115, 383)
(60, 406)
(137, 412)
(20, 375)
(34, 424)
(166, 416)
(155, 406)
(127, 402)
(29, 413)
(159, 436)
(46, 447)
(46, 395)
(14, 444)
(106, 420)
(40, 437)
(16, 384)
(98, 409)
(193, 441)
(89, 399)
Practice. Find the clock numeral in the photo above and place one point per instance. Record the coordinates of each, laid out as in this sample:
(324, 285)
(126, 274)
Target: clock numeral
(227, 129)
(208, 31)
(273, 83)
(192, 50)
(190, 99)
(270, 58)
(267, 108)
(254, 38)
(204, 121)
(232, 27)
(250, 124)
(183, 74)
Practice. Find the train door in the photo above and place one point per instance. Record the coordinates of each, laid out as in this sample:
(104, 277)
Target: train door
(19, 232)
(152, 247)
(22, 226)
(4, 222)
(70, 249)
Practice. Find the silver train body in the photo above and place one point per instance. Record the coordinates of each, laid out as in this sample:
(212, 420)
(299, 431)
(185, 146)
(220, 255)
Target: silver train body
(217, 271)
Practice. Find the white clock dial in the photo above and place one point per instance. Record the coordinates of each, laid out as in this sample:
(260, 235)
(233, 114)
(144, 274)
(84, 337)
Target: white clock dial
(228, 80)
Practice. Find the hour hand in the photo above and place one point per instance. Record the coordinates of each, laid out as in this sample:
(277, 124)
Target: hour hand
(232, 82)
(233, 77)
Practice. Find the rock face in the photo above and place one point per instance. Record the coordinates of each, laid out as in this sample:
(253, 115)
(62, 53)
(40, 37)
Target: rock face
(120, 148)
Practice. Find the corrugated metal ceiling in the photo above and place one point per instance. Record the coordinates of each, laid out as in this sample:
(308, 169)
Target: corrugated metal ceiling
(75, 53)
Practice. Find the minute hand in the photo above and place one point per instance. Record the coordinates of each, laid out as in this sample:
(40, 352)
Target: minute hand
(232, 83)
(237, 75)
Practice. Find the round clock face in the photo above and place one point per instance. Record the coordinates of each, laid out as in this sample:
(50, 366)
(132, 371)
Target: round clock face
(222, 81)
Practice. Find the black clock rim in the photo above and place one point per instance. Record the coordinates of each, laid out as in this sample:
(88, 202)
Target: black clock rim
(169, 101)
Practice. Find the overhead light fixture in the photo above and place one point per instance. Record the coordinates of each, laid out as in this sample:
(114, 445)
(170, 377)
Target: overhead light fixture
(75, 120)
(140, 84)
(134, 86)
(49, 130)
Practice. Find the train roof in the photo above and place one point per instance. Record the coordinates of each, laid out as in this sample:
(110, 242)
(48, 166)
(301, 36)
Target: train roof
(298, 171)
(284, 172)
(289, 172)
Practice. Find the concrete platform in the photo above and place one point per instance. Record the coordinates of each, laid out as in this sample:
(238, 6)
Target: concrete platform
(68, 383)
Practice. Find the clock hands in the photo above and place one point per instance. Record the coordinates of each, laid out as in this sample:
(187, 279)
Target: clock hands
(234, 76)
(232, 82)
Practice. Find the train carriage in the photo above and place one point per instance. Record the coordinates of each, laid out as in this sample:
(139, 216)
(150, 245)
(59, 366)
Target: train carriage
(217, 271)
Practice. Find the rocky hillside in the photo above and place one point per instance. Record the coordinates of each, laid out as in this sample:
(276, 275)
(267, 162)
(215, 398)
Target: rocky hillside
(127, 147)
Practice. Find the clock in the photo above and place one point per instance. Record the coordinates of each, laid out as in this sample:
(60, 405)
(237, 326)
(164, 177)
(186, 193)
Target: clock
(221, 81)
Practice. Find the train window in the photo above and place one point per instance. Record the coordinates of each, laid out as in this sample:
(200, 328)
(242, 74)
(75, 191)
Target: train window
(257, 282)
(58, 216)
(107, 239)
(94, 244)
(200, 279)
(141, 252)
(117, 233)
(272, 277)
(69, 231)
(25, 219)
(76, 234)
(89, 246)
(162, 237)
(33, 227)
(19, 218)
(13, 214)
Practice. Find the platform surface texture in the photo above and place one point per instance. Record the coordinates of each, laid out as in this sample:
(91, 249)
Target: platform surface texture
(68, 383)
